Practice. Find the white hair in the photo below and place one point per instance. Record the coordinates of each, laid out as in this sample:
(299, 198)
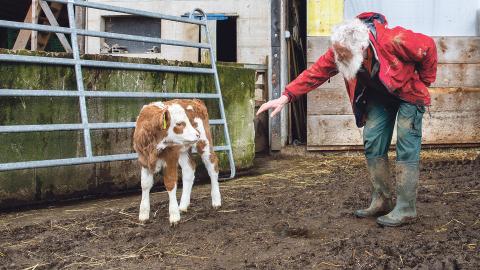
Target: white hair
(353, 35)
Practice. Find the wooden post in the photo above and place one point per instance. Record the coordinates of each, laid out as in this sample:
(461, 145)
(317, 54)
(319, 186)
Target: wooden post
(35, 13)
(80, 16)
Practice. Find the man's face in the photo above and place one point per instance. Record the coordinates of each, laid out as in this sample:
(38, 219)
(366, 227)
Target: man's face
(348, 61)
(343, 54)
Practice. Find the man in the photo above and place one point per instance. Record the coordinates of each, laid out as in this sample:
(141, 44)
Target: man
(387, 72)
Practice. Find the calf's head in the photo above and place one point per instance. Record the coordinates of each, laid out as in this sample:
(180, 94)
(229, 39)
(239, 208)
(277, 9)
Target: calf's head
(180, 130)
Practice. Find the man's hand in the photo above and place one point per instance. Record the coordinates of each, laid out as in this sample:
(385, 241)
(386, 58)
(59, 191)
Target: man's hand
(275, 104)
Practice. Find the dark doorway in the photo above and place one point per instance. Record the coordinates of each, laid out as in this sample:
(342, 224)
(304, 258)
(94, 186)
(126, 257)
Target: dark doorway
(297, 54)
(227, 40)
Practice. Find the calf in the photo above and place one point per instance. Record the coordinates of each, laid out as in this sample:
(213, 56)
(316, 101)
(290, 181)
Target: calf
(165, 133)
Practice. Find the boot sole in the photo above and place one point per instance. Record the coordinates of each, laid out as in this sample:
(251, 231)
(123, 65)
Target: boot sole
(405, 221)
(379, 214)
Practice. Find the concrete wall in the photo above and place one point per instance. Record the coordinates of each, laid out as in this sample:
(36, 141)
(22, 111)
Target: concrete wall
(253, 26)
(68, 182)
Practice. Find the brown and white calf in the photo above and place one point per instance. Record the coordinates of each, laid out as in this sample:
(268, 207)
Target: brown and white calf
(165, 133)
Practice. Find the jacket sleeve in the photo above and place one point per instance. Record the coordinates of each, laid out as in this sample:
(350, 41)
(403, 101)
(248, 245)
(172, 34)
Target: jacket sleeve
(422, 50)
(312, 77)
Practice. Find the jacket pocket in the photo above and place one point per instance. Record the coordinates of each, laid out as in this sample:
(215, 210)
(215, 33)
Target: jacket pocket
(416, 128)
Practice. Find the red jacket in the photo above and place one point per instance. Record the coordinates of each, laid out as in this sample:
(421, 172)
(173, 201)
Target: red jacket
(408, 64)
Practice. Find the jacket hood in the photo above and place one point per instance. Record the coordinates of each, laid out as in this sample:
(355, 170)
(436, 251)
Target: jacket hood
(369, 17)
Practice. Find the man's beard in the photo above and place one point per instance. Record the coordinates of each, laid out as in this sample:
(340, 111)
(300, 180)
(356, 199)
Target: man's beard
(349, 69)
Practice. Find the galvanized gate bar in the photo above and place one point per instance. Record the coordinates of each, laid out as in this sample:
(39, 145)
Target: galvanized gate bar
(111, 94)
(76, 161)
(81, 93)
(66, 161)
(100, 64)
(128, 11)
(219, 92)
(59, 127)
(79, 78)
(64, 30)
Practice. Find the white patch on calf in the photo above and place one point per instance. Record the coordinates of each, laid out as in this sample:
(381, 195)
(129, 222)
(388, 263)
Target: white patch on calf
(161, 164)
(162, 145)
(189, 107)
(160, 105)
(178, 115)
(201, 129)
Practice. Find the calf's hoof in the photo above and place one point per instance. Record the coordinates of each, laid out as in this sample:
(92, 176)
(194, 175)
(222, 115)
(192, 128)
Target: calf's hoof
(143, 216)
(216, 205)
(174, 219)
(183, 208)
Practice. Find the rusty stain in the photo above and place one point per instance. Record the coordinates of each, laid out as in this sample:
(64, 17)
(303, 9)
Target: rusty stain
(442, 45)
(398, 39)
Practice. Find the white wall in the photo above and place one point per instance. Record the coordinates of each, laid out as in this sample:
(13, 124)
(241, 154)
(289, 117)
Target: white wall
(431, 17)
(253, 25)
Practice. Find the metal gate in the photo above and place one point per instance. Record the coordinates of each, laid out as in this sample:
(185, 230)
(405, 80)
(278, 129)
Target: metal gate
(197, 17)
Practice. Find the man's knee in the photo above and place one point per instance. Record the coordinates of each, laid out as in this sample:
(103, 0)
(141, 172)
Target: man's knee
(376, 142)
(409, 132)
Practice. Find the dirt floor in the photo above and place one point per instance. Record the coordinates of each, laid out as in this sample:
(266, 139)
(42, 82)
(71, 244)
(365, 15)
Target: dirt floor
(288, 213)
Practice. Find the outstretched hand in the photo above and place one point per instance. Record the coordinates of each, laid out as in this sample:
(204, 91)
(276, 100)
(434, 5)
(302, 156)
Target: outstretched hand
(275, 104)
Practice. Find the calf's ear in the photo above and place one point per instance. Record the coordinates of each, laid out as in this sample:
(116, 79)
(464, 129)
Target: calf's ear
(165, 122)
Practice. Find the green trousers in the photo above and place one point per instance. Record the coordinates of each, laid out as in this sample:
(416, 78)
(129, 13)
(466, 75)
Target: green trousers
(380, 122)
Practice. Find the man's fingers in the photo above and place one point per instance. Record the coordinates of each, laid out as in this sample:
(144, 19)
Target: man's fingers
(277, 109)
(264, 107)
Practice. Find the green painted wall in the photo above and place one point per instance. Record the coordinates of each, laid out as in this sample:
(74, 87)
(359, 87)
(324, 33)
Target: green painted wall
(68, 182)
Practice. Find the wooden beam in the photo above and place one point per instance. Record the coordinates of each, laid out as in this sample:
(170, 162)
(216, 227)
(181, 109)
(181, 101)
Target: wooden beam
(458, 50)
(450, 50)
(335, 101)
(53, 21)
(438, 128)
(24, 35)
(448, 75)
(328, 101)
(44, 37)
(458, 75)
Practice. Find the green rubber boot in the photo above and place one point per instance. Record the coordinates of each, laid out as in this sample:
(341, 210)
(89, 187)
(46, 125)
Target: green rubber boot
(405, 209)
(381, 196)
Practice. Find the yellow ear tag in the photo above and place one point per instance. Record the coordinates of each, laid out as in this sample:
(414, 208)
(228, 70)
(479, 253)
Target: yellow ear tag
(164, 122)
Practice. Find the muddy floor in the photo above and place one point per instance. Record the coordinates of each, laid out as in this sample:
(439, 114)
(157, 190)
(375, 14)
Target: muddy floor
(288, 213)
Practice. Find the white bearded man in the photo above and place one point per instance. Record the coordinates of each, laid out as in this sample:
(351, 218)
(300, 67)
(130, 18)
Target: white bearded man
(386, 72)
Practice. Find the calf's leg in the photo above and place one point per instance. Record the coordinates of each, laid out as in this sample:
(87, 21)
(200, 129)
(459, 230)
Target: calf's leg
(170, 181)
(210, 160)
(188, 176)
(147, 183)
